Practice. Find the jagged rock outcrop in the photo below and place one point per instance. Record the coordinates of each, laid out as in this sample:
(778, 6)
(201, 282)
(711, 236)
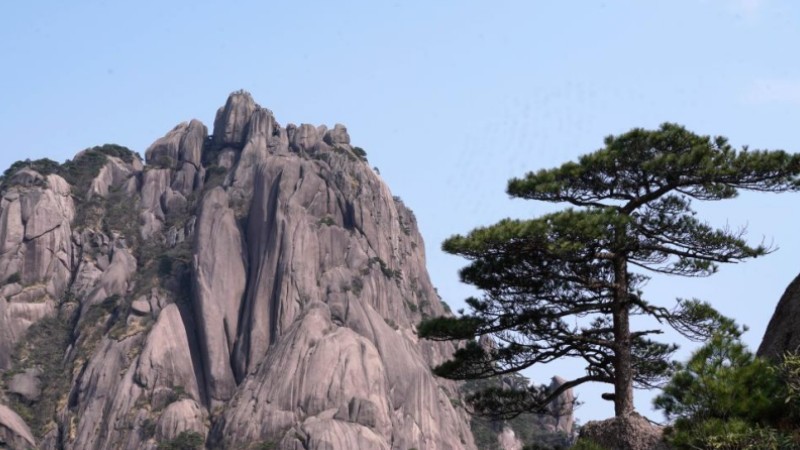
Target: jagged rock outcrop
(551, 428)
(337, 136)
(631, 432)
(180, 417)
(783, 331)
(258, 286)
(219, 285)
(173, 175)
(562, 408)
(14, 432)
(166, 360)
(36, 211)
(113, 174)
(232, 120)
(507, 440)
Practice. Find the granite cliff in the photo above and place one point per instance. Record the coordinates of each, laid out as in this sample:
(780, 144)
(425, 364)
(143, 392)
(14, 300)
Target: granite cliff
(256, 287)
(783, 331)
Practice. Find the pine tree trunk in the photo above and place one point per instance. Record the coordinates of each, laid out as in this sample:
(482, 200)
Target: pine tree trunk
(623, 367)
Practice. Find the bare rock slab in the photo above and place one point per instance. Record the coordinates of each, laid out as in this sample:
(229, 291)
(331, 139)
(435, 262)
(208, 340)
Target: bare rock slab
(14, 432)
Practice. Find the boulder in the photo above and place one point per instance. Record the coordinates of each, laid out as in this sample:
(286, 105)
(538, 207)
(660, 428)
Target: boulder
(631, 432)
(26, 384)
(324, 434)
(305, 138)
(337, 136)
(141, 306)
(113, 174)
(181, 416)
(115, 279)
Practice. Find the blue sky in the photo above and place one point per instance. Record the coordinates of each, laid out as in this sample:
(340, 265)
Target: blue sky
(450, 99)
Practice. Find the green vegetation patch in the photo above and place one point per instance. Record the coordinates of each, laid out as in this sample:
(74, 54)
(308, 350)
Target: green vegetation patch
(360, 152)
(44, 166)
(724, 397)
(124, 153)
(81, 171)
(78, 172)
(215, 176)
(327, 221)
(43, 347)
(584, 444)
(385, 269)
(187, 440)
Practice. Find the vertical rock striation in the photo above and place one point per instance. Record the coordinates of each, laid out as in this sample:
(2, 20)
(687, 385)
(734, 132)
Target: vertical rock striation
(35, 252)
(259, 286)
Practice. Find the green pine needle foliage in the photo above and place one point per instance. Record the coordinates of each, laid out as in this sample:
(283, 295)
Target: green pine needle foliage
(724, 397)
(565, 284)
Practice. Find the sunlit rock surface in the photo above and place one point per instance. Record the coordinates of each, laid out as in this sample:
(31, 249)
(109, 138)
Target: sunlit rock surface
(256, 286)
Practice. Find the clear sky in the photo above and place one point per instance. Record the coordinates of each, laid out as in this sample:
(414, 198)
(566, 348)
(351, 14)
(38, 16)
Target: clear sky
(449, 98)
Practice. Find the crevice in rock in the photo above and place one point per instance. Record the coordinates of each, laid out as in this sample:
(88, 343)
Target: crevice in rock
(275, 300)
(349, 217)
(261, 237)
(31, 239)
(238, 356)
(198, 366)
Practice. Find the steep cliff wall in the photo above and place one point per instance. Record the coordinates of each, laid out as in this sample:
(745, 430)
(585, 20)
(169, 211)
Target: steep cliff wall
(783, 331)
(254, 288)
(257, 287)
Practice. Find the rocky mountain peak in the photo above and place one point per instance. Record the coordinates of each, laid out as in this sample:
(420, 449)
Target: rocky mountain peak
(232, 119)
(254, 288)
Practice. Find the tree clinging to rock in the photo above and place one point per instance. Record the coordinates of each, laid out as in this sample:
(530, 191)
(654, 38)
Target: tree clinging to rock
(566, 284)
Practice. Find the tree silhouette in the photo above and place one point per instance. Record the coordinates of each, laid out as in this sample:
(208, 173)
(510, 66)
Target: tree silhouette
(566, 284)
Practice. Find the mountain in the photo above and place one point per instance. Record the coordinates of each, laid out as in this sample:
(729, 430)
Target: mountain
(783, 331)
(255, 288)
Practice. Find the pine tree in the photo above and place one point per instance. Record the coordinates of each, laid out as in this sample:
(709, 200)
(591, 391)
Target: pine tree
(566, 284)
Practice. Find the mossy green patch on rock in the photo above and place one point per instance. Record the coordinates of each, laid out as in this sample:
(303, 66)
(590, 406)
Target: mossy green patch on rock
(43, 347)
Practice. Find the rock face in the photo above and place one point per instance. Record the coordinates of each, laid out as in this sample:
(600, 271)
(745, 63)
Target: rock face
(783, 331)
(507, 440)
(257, 288)
(36, 252)
(632, 432)
(551, 428)
(14, 432)
(562, 408)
